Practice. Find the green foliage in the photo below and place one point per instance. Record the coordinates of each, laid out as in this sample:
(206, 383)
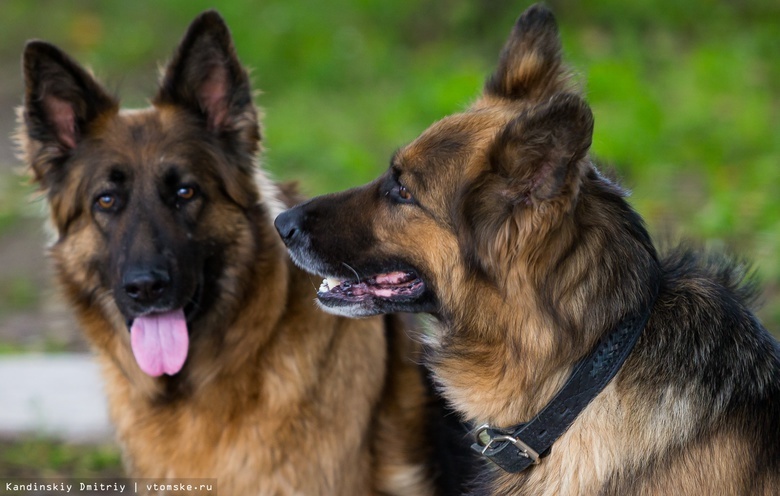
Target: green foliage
(13, 200)
(41, 458)
(17, 293)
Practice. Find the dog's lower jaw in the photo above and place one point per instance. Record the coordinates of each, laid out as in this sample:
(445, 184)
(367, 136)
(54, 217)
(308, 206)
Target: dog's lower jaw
(425, 302)
(350, 311)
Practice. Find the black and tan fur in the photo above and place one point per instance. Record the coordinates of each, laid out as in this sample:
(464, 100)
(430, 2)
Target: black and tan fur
(496, 221)
(163, 207)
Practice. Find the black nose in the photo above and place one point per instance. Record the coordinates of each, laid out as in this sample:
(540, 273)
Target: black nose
(146, 285)
(288, 224)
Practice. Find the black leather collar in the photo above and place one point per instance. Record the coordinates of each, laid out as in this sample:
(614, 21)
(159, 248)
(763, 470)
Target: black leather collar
(516, 448)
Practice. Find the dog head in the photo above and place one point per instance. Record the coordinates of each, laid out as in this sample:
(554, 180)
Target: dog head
(471, 198)
(151, 207)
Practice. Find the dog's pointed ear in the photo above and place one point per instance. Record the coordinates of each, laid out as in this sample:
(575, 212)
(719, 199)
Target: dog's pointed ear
(206, 77)
(61, 101)
(530, 65)
(539, 153)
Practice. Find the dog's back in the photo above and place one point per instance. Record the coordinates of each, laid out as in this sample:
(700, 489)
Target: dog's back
(703, 386)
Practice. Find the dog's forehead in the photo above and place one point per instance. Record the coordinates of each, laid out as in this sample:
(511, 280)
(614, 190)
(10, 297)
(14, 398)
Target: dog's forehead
(451, 142)
(145, 137)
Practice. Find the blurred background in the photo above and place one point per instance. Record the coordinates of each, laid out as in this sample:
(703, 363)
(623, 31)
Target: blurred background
(686, 96)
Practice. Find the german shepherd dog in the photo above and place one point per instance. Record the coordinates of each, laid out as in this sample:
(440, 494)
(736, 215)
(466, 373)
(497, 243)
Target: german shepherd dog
(216, 361)
(496, 221)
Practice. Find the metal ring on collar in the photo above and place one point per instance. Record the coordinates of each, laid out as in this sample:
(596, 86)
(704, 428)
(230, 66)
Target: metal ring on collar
(483, 438)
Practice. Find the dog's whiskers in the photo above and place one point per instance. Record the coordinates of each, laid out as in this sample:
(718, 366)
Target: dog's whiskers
(357, 276)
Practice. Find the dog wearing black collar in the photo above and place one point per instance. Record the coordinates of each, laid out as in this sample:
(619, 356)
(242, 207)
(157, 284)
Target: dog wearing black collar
(588, 362)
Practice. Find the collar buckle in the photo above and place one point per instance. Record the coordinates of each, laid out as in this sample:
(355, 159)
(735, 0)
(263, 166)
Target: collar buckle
(485, 438)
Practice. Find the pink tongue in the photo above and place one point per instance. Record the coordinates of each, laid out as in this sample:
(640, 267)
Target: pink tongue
(391, 278)
(160, 342)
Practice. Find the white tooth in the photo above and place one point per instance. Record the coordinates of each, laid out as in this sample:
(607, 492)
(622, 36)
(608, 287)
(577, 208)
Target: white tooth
(332, 282)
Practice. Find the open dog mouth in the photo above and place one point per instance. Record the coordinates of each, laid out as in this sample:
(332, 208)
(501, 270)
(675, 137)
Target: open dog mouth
(397, 285)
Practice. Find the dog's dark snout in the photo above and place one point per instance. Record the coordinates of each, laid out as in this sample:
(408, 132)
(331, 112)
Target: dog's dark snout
(288, 224)
(146, 285)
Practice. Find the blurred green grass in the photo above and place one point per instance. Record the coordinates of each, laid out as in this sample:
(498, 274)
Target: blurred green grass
(38, 457)
(686, 94)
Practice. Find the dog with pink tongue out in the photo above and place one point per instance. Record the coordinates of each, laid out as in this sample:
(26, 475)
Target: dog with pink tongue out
(229, 371)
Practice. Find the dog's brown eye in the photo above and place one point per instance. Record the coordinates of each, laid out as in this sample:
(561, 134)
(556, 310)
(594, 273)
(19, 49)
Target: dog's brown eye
(106, 202)
(186, 193)
(397, 192)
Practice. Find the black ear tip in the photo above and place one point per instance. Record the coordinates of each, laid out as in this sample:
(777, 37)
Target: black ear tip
(37, 48)
(574, 110)
(34, 45)
(212, 15)
(208, 25)
(37, 52)
(537, 16)
(571, 104)
(208, 20)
